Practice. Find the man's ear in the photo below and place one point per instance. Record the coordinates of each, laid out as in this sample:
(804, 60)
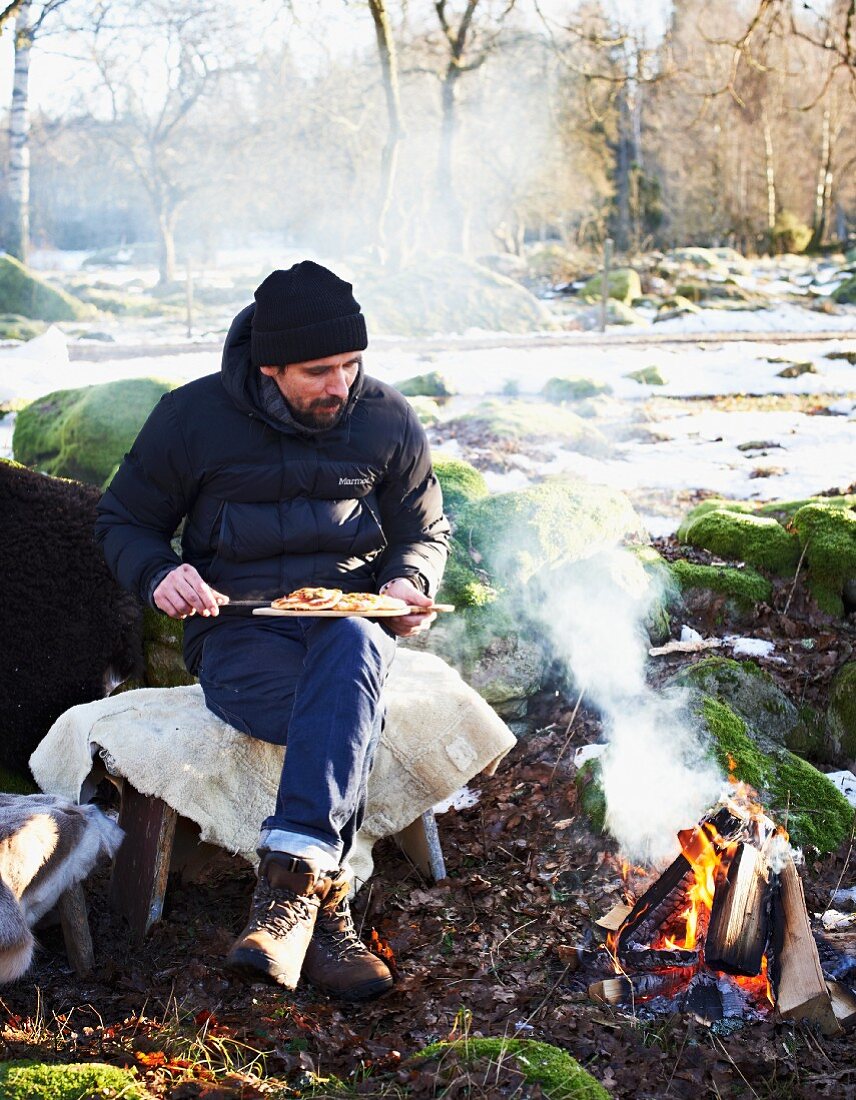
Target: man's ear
(271, 372)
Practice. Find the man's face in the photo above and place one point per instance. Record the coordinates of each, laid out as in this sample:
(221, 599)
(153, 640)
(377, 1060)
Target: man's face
(317, 390)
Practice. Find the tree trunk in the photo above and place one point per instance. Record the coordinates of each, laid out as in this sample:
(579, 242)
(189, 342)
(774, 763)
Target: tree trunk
(623, 161)
(395, 129)
(770, 168)
(823, 193)
(166, 246)
(450, 220)
(18, 236)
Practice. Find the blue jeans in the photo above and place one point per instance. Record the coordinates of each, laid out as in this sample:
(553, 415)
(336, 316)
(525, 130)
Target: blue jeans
(317, 685)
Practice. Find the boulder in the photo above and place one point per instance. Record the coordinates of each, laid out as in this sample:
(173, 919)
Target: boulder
(559, 390)
(433, 384)
(827, 535)
(697, 257)
(25, 294)
(623, 284)
(647, 376)
(83, 433)
(163, 639)
(676, 306)
(619, 313)
(535, 420)
(447, 294)
(841, 715)
(845, 293)
(720, 596)
(459, 481)
(736, 536)
(427, 410)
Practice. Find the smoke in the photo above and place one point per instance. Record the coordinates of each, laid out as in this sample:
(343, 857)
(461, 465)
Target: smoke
(656, 775)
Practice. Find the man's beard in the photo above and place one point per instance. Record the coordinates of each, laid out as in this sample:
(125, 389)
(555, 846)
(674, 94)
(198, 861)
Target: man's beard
(324, 412)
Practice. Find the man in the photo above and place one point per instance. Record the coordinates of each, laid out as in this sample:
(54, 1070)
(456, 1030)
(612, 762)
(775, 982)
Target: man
(290, 468)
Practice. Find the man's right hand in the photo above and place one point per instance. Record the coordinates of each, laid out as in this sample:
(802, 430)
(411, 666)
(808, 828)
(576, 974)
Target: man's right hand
(183, 592)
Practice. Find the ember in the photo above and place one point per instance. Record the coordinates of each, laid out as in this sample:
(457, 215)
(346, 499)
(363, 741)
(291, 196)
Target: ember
(723, 931)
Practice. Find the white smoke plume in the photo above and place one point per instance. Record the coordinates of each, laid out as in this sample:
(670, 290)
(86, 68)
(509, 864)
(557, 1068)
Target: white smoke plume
(657, 777)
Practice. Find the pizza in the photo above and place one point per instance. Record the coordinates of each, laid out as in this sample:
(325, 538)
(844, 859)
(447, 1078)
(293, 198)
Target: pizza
(309, 599)
(369, 601)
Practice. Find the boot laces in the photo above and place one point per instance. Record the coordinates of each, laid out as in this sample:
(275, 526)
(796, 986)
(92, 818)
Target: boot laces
(277, 910)
(339, 932)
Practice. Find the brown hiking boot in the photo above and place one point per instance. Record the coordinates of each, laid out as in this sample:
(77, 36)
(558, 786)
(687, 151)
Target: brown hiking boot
(337, 961)
(282, 916)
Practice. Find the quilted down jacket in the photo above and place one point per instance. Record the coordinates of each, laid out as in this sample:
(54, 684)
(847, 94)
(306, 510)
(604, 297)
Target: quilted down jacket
(269, 505)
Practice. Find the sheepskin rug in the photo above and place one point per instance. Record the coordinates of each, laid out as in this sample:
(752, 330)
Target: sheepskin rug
(46, 845)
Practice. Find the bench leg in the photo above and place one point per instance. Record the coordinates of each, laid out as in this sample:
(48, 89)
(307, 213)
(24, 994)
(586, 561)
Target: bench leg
(420, 842)
(75, 929)
(141, 866)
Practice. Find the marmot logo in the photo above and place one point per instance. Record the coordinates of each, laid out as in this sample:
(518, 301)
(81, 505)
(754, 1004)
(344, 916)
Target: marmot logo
(354, 481)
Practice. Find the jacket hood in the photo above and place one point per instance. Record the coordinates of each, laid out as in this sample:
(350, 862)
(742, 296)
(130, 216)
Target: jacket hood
(242, 381)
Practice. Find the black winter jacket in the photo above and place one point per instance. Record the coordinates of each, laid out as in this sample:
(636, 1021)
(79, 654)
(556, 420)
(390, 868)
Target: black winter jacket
(271, 506)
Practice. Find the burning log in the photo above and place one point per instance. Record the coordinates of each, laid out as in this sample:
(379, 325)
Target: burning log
(643, 987)
(661, 899)
(642, 958)
(739, 919)
(801, 991)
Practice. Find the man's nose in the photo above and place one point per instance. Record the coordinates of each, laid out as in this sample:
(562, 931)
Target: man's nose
(337, 385)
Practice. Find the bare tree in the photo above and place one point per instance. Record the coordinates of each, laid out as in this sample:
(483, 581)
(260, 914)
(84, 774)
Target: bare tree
(30, 20)
(395, 127)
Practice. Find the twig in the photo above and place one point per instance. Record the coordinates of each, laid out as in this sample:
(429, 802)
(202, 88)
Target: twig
(796, 578)
(724, 1049)
(567, 736)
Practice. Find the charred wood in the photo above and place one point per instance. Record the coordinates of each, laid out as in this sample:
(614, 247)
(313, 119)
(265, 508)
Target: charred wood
(638, 957)
(659, 901)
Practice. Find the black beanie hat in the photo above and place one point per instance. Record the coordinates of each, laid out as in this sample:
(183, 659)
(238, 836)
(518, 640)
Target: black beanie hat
(305, 313)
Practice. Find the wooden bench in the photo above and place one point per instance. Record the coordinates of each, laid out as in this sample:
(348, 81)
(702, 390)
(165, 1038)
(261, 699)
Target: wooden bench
(142, 865)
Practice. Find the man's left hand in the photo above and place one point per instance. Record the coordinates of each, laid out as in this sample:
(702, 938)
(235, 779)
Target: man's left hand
(405, 626)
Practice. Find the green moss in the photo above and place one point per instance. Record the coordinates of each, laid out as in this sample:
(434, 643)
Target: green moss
(828, 535)
(536, 420)
(590, 794)
(623, 282)
(545, 527)
(794, 793)
(560, 1076)
(619, 313)
(749, 690)
(781, 510)
(433, 384)
(25, 294)
(459, 481)
(841, 715)
(24, 1080)
(648, 376)
(745, 586)
(15, 327)
(123, 305)
(84, 433)
(756, 540)
(559, 390)
(462, 585)
(12, 783)
(427, 410)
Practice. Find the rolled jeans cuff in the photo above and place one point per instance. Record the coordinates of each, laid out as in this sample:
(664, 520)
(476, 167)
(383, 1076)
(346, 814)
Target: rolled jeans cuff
(304, 847)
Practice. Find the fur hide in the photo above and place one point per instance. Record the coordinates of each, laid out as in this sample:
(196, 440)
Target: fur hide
(46, 846)
(67, 626)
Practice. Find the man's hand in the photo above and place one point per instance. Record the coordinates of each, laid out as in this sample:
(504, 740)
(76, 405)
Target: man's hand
(183, 592)
(406, 625)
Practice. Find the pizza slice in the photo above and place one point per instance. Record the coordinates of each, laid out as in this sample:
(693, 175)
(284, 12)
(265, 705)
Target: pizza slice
(366, 602)
(309, 599)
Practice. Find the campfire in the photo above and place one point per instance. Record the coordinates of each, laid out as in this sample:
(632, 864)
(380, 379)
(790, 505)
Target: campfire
(724, 931)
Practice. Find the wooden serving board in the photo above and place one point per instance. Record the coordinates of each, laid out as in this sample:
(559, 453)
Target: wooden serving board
(332, 613)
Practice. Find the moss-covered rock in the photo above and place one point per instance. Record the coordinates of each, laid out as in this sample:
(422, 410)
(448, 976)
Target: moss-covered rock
(84, 433)
(648, 376)
(781, 510)
(751, 693)
(841, 715)
(15, 327)
(676, 306)
(698, 257)
(737, 536)
(623, 284)
(25, 294)
(123, 304)
(447, 294)
(746, 587)
(559, 1076)
(845, 293)
(619, 313)
(828, 537)
(25, 1080)
(163, 639)
(433, 384)
(794, 793)
(459, 481)
(789, 234)
(427, 410)
(548, 526)
(536, 420)
(559, 390)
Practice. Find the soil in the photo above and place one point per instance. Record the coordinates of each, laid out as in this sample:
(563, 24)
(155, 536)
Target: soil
(488, 951)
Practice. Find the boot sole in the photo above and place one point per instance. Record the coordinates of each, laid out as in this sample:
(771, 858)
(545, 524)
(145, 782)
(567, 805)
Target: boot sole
(252, 966)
